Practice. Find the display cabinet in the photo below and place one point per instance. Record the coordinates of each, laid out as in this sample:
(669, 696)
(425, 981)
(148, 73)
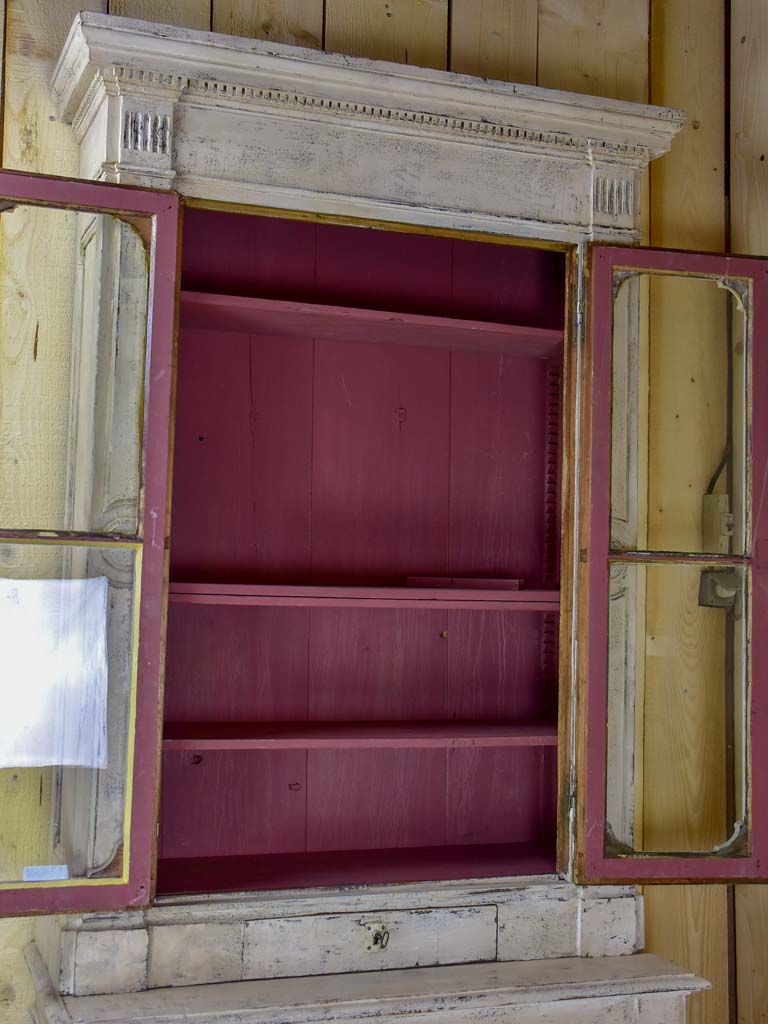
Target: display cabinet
(405, 490)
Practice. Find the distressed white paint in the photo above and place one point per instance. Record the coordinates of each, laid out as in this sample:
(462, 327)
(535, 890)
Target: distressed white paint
(242, 120)
(114, 961)
(195, 954)
(608, 927)
(323, 932)
(661, 1008)
(538, 929)
(331, 944)
(616, 989)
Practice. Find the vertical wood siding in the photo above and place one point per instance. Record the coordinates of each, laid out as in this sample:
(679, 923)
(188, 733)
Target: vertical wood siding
(186, 13)
(297, 22)
(34, 140)
(749, 234)
(495, 39)
(670, 51)
(688, 210)
(405, 31)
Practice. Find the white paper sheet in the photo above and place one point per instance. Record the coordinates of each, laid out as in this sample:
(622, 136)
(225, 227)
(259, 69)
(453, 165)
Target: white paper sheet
(53, 672)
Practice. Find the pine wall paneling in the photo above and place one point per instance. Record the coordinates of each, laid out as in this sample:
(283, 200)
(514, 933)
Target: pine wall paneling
(749, 234)
(608, 47)
(185, 13)
(37, 297)
(688, 923)
(598, 47)
(298, 22)
(405, 31)
(495, 39)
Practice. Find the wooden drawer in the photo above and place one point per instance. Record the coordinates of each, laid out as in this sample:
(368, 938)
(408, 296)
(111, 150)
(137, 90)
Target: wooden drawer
(333, 943)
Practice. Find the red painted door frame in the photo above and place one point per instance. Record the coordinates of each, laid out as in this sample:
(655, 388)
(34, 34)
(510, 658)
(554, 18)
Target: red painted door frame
(134, 888)
(595, 866)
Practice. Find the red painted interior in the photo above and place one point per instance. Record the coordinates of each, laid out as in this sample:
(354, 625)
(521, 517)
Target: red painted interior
(356, 689)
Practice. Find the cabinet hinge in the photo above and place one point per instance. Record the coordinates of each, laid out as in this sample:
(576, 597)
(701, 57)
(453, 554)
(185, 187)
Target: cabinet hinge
(580, 314)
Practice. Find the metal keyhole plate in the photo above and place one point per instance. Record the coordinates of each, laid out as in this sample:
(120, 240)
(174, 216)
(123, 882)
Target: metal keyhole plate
(377, 936)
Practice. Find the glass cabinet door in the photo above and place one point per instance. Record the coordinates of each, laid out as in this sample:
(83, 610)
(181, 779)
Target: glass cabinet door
(674, 765)
(88, 275)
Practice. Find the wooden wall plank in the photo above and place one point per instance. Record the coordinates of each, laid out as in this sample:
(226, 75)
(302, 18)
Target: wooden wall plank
(687, 71)
(184, 13)
(33, 140)
(298, 22)
(495, 39)
(751, 910)
(749, 127)
(686, 924)
(595, 46)
(3, 15)
(404, 31)
(749, 234)
(689, 924)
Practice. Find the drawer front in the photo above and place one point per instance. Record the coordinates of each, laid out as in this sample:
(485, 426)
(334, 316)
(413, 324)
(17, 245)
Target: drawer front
(335, 943)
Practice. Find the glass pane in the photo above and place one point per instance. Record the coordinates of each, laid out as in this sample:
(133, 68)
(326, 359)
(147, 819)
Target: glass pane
(71, 370)
(677, 698)
(678, 423)
(67, 634)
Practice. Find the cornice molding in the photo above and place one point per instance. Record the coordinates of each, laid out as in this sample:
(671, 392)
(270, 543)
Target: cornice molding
(171, 84)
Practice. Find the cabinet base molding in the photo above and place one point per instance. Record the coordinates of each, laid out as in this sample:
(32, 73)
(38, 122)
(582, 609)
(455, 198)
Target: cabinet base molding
(638, 989)
(304, 933)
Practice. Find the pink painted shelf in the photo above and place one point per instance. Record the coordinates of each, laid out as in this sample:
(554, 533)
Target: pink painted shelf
(354, 735)
(353, 867)
(366, 597)
(277, 317)
(377, 440)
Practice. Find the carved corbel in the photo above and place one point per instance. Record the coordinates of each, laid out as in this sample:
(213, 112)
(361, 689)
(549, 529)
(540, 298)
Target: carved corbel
(140, 123)
(616, 189)
(124, 125)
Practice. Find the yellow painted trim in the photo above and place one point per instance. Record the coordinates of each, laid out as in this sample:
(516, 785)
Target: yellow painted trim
(124, 877)
(130, 752)
(55, 540)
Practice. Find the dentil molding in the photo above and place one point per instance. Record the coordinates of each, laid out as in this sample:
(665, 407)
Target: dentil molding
(224, 118)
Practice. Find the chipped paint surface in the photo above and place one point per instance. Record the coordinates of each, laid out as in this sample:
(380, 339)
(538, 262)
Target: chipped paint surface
(307, 933)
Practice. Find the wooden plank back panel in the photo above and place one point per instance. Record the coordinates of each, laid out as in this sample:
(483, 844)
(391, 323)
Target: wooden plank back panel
(213, 509)
(229, 664)
(376, 664)
(375, 799)
(280, 440)
(497, 440)
(349, 462)
(494, 667)
(273, 258)
(398, 30)
(233, 803)
(297, 22)
(507, 284)
(749, 234)
(495, 39)
(384, 269)
(501, 796)
(380, 462)
(236, 254)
